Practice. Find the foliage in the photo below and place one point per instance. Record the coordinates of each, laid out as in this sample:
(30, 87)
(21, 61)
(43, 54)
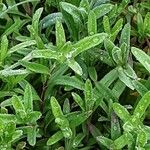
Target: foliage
(75, 74)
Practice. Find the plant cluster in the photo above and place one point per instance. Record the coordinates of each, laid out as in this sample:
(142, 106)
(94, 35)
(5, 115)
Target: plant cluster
(74, 74)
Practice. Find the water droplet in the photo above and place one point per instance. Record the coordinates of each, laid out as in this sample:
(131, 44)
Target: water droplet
(95, 40)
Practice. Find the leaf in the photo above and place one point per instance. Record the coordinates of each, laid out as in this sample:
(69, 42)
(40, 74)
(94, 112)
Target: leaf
(10, 72)
(116, 29)
(124, 78)
(8, 117)
(117, 55)
(102, 90)
(140, 87)
(66, 106)
(70, 81)
(147, 23)
(63, 124)
(3, 48)
(85, 4)
(60, 34)
(35, 19)
(51, 19)
(28, 99)
(34, 116)
(77, 118)
(55, 138)
(12, 28)
(109, 45)
(140, 24)
(92, 73)
(121, 112)
(92, 23)
(130, 72)
(75, 67)
(105, 141)
(88, 42)
(142, 57)
(77, 140)
(78, 100)
(47, 54)
(106, 24)
(120, 142)
(35, 67)
(31, 135)
(72, 18)
(102, 10)
(115, 126)
(17, 104)
(21, 46)
(56, 109)
(88, 92)
(125, 38)
(142, 105)
(142, 138)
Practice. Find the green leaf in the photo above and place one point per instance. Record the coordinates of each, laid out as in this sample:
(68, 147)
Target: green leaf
(63, 124)
(117, 55)
(31, 135)
(88, 92)
(17, 104)
(51, 19)
(142, 57)
(116, 29)
(21, 46)
(77, 118)
(85, 4)
(125, 38)
(56, 109)
(77, 140)
(121, 112)
(35, 67)
(115, 126)
(55, 138)
(121, 142)
(130, 72)
(75, 67)
(35, 20)
(102, 10)
(47, 54)
(105, 141)
(72, 18)
(142, 138)
(70, 81)
(78, 100)
(60, 34)
(3, 48)
(140, 24)
(140, 87)
(8, 117)
(124, 78)
(66, 106)
(102, 90)
(92, 73)
(10, 72)
(28, 99)
(147, 23)
(106, 24)
(34, 116)
(88, 42)
(92, 23)
(142, 105)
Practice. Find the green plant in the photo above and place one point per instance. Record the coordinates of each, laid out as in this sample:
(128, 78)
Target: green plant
(74, 74)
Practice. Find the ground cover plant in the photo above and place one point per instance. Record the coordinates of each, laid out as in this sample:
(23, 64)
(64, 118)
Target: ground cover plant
(74, 74)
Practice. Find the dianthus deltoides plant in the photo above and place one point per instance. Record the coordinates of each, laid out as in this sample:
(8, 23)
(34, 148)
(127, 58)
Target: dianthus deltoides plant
(74, 74)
